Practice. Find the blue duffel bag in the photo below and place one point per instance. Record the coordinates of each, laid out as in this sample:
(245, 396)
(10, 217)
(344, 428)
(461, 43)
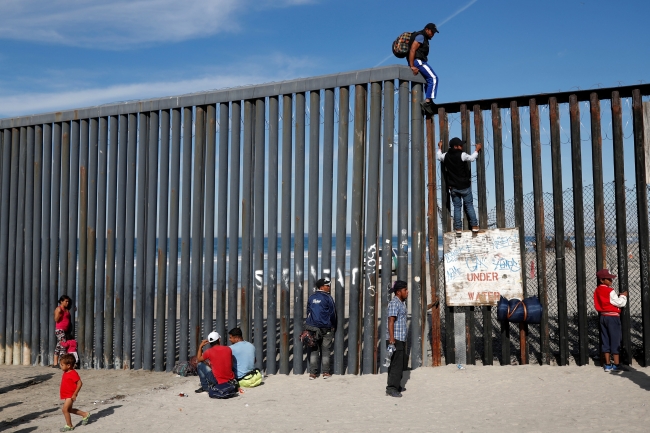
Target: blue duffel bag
(527, 311)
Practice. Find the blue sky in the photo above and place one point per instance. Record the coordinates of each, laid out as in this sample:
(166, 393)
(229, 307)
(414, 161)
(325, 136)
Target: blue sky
(73, 53)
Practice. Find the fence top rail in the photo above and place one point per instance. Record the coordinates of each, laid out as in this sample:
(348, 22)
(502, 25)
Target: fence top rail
(542, 98)
(352, 78)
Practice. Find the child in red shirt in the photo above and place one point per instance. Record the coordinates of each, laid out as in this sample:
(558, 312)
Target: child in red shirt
(70, 386)
(71, 347)
(609, 304)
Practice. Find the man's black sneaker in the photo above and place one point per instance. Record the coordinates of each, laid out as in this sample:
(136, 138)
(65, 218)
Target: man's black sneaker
(200, 390)
(427, 108)
(393, 394)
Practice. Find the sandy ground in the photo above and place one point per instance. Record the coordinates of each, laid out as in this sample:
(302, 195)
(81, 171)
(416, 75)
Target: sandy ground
(516, 398)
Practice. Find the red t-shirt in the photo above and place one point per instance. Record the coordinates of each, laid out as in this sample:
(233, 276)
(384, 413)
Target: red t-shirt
(220, 358)
(69, 383)
(64, 323)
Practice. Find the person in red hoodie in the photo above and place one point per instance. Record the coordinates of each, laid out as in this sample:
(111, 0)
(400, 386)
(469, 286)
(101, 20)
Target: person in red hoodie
(609, 304)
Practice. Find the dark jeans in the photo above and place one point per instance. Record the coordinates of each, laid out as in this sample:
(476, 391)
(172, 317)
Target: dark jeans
(322, 349)
(610, 328)
(205, 376)
(396, 367)
(460, 198)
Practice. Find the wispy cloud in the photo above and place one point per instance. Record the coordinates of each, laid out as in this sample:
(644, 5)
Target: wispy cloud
(69, 95)
(116, 24)
(437, 25)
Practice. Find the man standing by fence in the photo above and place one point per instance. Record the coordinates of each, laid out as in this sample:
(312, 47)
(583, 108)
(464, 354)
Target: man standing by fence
(396, 336)
(321, 320)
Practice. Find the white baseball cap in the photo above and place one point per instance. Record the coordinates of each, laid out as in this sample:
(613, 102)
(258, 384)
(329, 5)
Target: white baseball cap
(213, 336)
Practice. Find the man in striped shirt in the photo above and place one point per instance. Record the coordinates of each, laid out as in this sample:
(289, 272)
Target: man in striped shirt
(396, 335)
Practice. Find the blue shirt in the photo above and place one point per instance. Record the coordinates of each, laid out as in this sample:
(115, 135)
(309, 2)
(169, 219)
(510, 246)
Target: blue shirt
(397, 309)
(321, 311)
(243, 354)
(419, 38)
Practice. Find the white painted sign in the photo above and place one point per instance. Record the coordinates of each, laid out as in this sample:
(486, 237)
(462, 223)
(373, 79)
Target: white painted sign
(481, 268)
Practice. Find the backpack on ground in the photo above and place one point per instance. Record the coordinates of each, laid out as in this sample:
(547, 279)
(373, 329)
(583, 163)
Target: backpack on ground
(225, 390)
(402, 45)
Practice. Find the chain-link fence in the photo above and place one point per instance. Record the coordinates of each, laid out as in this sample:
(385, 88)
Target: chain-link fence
(529, 266)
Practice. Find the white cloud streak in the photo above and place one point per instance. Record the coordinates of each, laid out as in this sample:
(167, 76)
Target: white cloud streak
(437, 25)
(118, 24)
(70, 96)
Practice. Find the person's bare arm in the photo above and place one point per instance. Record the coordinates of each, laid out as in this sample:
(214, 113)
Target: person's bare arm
(76, 391)
(199, 351)
(58, 314)
(414, 48)
(391, 329)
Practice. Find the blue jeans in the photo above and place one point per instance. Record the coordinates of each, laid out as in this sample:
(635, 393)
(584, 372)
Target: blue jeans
(460, 197)
(205, 376)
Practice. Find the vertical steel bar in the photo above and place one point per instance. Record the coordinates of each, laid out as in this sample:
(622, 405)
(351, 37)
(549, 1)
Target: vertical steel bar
(498, 166)
(161, 256)
(14, 140)
(233, 235)
(141, 243)
(129, 241)
(579, 231)
(110, 242)
(299, 233)
(91, 239)
(558, 221)
(328, 179)
(621, 226)
(259, 153)
(272, 277)
(403, 181)
(432, 227)
(172, 279)
(388, 155)
(597, 170)
(84, 137)
(488, 356)
(36, 250)
(356, 233)
(469, 316)
(341, 226)
(197, 233)
(65, 211)
(246, 216)
(519, 215)
(222, 227)
(4, 241)
(208, 270)
(73, 215)
(640, 167)
(46, 323)
(19, 288)
(150, 235)
(371, 254)
(28, 250)
(186, 206)
(417, 225)
(100, 234)
(54, 225)
(314, 187)
(285, 289)
(120, 239)
(538, 194)
(450, 343)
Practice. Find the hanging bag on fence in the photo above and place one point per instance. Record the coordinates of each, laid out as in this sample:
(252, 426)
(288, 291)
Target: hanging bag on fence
(516, 311)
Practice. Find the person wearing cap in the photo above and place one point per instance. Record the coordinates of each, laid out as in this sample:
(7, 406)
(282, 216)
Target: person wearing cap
(609, 304)
(215, 364)
(396, 335)
(321, 321)
(459, 182)
(417, 60)
(243, 354)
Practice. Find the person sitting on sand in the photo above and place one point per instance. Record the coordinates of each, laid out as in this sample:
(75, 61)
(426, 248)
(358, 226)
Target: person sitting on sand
(214, 365)
(243, 354)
